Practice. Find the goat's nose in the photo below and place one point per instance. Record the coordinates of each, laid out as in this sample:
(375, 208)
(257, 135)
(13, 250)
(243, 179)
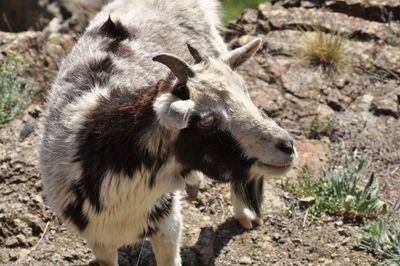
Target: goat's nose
(286, 146)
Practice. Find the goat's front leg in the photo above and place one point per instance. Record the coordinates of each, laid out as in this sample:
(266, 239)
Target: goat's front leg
(166, 241)
(247, 200)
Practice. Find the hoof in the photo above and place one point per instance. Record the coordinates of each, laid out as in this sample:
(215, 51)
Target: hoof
(192, 191)
(258, 221)
(245, 222)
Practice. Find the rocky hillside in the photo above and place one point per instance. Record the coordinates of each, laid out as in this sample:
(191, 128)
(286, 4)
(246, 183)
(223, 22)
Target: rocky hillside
(352, 107)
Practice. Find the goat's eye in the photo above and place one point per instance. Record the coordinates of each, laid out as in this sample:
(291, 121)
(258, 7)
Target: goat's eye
(207, 122)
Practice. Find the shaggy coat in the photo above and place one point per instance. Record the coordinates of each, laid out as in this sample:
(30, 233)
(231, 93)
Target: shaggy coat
(123, 133)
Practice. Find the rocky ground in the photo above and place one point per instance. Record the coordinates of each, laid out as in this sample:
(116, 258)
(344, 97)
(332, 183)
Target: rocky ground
(363, 98)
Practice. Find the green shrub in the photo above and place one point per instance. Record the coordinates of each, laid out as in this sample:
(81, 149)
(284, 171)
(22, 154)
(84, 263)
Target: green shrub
(339, 191)
(15, 92)
(383, 238)
(232, 8)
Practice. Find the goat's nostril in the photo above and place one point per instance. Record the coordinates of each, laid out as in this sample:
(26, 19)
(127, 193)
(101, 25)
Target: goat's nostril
(286, 146)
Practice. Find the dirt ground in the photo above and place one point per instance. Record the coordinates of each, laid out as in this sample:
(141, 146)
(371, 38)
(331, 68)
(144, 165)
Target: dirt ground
(363, 99)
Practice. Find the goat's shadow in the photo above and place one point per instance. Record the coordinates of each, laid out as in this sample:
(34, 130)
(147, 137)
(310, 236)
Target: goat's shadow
(204, 253)
(210, 244)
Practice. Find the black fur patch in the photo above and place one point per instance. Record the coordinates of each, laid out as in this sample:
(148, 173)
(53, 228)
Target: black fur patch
(74, 210)
(214, 152)
(252, 193)
(181, 91)
(96, 72)
(185, 172)
(148, 232)
(110, 137)
(113, 33)
(159, 212)
(114, 30)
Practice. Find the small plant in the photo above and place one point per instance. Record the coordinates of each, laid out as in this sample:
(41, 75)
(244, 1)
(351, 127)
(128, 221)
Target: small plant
(383, 238)
(325, 50)
(321, 126)
(339, 192)
(394, 37)
(16, 93)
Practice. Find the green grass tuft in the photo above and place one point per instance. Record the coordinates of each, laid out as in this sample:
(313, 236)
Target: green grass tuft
(340, 192)
(15, 92)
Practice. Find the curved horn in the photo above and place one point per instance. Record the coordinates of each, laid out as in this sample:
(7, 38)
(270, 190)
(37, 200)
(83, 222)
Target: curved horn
(179, 67)
(238, 56)
(195, 53)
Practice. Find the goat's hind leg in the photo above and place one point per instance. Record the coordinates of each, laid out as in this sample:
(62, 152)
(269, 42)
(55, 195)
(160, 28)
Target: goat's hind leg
(166, 241)
(105, 256)
(193, 181)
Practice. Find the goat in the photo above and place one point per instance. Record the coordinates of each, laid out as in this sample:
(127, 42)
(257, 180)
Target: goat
(245, 211)
(148, 95)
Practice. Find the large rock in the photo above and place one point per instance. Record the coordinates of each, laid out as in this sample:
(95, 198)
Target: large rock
(313, 156)
(380, 11)
(307, 19)
(388, 103)
(367, 9)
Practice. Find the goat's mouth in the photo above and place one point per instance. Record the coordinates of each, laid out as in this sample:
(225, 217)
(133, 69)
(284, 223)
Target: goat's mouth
(275, 169)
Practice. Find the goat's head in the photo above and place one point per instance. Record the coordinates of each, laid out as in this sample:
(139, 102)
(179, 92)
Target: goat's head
(221, 132)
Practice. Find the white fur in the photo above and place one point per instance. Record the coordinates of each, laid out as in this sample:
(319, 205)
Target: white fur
(172, 112)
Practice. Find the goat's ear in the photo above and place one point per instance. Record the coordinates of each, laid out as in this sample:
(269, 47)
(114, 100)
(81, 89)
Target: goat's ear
(195, 53)
(239, 55)
(173, 112)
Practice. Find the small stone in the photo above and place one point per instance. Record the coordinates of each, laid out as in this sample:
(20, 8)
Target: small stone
(37, 199)
(339, 223)
(276, 237)
(32, 241)
(2, 177)
(296, 241)
(34, 222)
(2, 207)
(11, 242)
(245, 260)
(4, 256)
(306, 202)
(21, 240)
(342, 232)
(14, 255)
(281, 241)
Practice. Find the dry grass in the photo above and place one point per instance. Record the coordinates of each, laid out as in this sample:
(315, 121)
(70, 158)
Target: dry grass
(325, 50)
